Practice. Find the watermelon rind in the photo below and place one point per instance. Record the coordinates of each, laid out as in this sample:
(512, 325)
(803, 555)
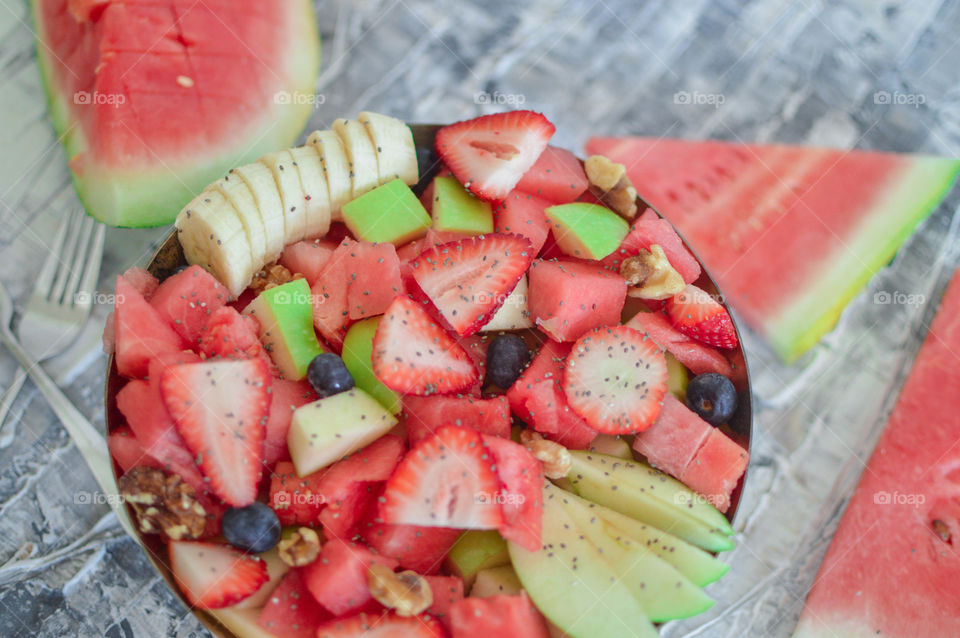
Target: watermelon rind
(142, 197)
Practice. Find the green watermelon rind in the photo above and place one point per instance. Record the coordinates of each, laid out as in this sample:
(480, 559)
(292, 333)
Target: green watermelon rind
(898, 210)
(144, 198)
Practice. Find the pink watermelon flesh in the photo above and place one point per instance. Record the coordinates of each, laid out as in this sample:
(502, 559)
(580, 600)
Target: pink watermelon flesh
(307, 257)
(144, 282)
(523, 214)
(338, 578)
(697, 357)
(521, 480)
(892, 568)
(375, 279)
(287, 396)
(127, 450)
(500, 616)
(296, 501)
(673, 440)
(648, 231)
(162, 113)
(359, 503)
(716, 469)
(446, 591)
(790, 233)
(425, 415)
(566, 299)
(557, 175)
(291, 610)
(230, 335)
(187, 299)
(140, 333)
(421, 549)
(330, 296)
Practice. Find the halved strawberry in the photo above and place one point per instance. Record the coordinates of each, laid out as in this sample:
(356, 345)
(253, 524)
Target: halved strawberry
(489, 154)
(220, 408)
(696, 314)
(615, 378)
(213, 575)
(469, 279)
(447, 480)
(413, 355)
(387, 625)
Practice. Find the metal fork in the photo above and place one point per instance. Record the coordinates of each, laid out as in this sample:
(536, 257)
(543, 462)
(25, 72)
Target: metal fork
(62, 297)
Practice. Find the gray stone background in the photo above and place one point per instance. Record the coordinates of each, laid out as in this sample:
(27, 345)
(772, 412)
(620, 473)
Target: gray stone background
(766, 70)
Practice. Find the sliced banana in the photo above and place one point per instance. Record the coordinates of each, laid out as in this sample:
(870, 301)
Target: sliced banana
(361, 154)
(336, 167)
(393, 142)
(291, 192)
(314, 184)
(212, 235)
(259, 179)
(240, 196)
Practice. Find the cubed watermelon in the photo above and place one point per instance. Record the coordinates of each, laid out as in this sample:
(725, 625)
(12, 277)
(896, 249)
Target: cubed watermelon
(345, 518)
(716, 469)
(476, 346)
(446, 591)
(674, 438)
(330, 296)
(647, 231)
(338, 578)
(187, 299)
(307, 257)
(375, 279)
(521, 480)
(297, 501)
(143, 281)
(567, 298)
(231, 335)
(291, 611)
(127, 450)
(421, 549)
(557, 175)
(500, 616)
(286, 396)
(140, 333)
(425, 415)
(523, 214)
(697, 357)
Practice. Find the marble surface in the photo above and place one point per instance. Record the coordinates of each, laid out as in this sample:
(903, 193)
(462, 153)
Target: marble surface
(849, 73)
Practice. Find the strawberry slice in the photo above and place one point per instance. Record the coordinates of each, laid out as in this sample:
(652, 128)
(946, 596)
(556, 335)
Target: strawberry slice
(696, 314)
(615, 378)
(468, 280)
(489, 154)
(388, 625)
(446, 480)
(213, 575)
(220, 408)
(413, 355)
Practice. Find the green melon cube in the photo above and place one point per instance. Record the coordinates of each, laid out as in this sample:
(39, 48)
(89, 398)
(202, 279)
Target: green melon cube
(389, 213)
(358, 357)
(587, 231)
(285, 314)
(456, 209)
(474, 551)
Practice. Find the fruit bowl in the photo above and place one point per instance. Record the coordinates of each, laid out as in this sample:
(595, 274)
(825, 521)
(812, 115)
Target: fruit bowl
(170, 257)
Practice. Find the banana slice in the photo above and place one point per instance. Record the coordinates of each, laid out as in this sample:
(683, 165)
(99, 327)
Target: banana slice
(239, 195)
(212, 235)
(361, 154)
(259, 179)
(336, 167)
(314, 184)
(291, 192)
(393, 142)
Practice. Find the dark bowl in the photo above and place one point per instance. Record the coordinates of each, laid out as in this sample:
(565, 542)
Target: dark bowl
(169, 257)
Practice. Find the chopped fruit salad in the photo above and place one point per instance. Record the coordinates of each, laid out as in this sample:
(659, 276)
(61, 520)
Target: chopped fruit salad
(470, 399)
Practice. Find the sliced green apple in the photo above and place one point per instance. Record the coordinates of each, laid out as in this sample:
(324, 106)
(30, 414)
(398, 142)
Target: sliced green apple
(496, 581)
(285, 314)
(357, 356)
(476, 550)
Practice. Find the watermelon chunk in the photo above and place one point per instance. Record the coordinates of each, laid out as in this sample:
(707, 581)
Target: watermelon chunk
(521, 480)
(127, 450)
(140, 333)
(697, 357)
(421, 549)
(287, 396)
(187, 299)
(375, 279)
(307, 257)
(426, 415)
(523, 214)
(297, 501)
(791, 233)
(160, 114)
(557, 175)
(647, 231)
(673, 440)
(716, 469)
(338, 578)
(567, 298)
(143, 281)
(231, 335)
(446, 591)
(506, 616)
(892, 567)
(330, 296)
(291, 610)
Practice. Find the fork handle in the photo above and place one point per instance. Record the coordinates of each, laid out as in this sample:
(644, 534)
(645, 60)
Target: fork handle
(92, 444)
(10, 394)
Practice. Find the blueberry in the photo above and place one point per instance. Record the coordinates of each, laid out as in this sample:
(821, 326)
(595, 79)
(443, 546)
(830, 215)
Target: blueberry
(254, 528)
(507, 356)
(328, 375)
(713, 397)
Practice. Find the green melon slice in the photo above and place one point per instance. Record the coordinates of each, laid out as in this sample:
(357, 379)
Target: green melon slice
(586, 231)
(158, 120)
(454, 208)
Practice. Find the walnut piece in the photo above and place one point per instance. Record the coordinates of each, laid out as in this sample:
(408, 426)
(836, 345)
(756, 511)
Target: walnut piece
(301, 548)
(271, 276)
(610, 184)
(650, 275)
(556, 458)
(407, 593)
(163, 503)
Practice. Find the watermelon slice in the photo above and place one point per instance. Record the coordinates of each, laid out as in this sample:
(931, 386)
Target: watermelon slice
(790, 233)
(153, 101)
(892, 568)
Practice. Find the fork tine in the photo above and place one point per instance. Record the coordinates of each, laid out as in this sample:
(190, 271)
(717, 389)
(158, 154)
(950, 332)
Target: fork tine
(69, 250)
(49, 269)
(76, 270)
(90, 274)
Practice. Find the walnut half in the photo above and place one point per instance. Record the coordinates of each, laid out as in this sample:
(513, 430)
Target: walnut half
(270, 276)
(300, 548)
(163, 503)
(407, 593)
(556, 459)
(610, 184)
(650, 275)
